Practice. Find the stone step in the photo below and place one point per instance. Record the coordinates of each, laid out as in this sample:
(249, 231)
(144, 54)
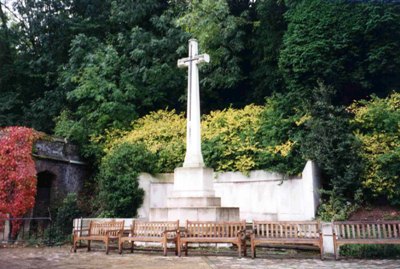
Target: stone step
(209, 213)
(193, 201)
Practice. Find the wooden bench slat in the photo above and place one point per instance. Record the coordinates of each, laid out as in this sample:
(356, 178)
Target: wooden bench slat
(286, 232)
(213, 232)
(365, 232)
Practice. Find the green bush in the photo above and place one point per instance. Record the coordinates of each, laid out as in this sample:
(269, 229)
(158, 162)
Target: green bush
(370, 251)
(119, 191)
(377, 125)
(230, 139)
(61, 229)
(161, 132)
(330, 142)
(281, 129)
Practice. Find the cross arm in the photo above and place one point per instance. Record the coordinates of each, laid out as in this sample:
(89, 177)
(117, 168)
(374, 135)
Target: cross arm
(202, 58)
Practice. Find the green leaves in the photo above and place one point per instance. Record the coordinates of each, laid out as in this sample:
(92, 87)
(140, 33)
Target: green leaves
(119, 192)
(378, 128)
(222, 35)
(340, 44)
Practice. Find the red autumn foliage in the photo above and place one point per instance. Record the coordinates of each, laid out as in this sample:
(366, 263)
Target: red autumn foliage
(17, 172)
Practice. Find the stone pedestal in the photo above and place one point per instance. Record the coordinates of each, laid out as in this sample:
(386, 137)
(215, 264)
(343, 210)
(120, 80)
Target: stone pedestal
(193, 182)
(193, 198)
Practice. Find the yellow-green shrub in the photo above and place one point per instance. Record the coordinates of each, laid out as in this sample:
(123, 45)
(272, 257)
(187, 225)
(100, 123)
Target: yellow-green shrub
(378, 128)
(230, 139)
(162, 132)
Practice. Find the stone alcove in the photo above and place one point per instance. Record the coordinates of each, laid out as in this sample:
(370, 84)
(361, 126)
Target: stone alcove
(60, 171)
(45, 182)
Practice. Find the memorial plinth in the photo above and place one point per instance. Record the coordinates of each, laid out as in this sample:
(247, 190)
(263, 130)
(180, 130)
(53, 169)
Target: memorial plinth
(193, 196)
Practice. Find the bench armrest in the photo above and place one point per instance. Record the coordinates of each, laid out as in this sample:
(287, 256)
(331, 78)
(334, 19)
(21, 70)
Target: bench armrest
(241, 233)
(124, 231)
(182, 233)
(165, 233)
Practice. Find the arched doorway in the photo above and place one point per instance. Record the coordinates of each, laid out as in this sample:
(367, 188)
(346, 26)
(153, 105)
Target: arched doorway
(45, 181)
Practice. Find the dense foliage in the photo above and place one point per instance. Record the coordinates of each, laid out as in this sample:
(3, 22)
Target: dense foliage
(378, 128)
(162, 133)
(87, 69)
(17, 172)
(119, 191)
(229, 139)
(66, 212)
(350, 46)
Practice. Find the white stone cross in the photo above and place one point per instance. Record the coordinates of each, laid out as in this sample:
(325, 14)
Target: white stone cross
(193, 157)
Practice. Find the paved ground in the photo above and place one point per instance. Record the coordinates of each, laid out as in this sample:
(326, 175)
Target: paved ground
(61, 258)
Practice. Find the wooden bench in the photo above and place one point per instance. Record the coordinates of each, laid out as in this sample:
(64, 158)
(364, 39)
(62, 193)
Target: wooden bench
(364, 232)
(286, 232)
(98, 231)
(214, 232)
(154, 231)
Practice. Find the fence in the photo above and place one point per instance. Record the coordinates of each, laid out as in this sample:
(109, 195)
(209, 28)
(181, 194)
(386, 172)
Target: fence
(38, 230)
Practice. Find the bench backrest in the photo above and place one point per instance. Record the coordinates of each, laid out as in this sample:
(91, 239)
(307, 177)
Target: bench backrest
(287, 229)
(152, 228)
(102, 227)
(215, 229)
(366, 229)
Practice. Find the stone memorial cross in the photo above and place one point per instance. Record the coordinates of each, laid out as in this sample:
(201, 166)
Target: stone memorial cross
(193, 157)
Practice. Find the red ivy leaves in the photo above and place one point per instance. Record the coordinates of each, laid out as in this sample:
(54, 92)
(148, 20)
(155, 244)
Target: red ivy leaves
(17, 172)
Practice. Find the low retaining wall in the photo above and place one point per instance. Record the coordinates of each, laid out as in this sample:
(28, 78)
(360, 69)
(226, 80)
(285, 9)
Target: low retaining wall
(260, 195)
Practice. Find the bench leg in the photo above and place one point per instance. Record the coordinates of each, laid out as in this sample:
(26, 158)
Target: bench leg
(107, 245)
(132, 246)
(336, 251)
(120, 246)
(74, 245)
(240, 249)
(253, 249)
(165, 248)
(321, 249)
(179, 248)
(186, 248)
(88, 245)
(176, 248)
(244, 248)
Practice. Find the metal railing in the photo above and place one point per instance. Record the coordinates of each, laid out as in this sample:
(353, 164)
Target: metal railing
(31, 230)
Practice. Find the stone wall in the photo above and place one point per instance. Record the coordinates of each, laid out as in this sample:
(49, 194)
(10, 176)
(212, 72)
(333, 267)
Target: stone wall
(60, 171)
(260, 195)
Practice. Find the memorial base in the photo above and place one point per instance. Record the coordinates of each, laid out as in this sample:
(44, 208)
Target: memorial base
(193, 198)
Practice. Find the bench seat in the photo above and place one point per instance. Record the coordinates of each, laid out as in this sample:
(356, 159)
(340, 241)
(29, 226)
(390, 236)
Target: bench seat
(214, 232)
(163, 232)
(104, 231)
(286, 233)
(364, 232)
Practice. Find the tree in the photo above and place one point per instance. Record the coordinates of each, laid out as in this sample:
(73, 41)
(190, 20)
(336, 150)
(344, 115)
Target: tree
(134, 71)
(223, 35)
(329, 141)
(39, 36)
(269, 27)
(10, 98)
(351, 46)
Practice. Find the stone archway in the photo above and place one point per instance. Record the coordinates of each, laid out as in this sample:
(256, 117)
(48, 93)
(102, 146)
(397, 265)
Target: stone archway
(45, 184)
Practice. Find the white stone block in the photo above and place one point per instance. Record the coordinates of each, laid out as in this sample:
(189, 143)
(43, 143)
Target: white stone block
(193, 182)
